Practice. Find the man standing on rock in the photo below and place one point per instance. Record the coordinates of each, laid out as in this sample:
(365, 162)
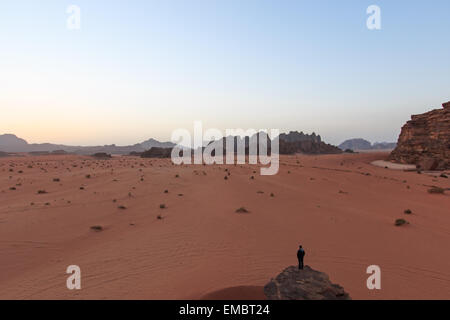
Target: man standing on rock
(300, 256)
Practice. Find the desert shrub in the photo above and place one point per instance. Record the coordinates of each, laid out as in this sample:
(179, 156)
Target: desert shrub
(436, 190)
(242, 210)
(41, 192)
(97, 228)
(162, 206)
(400, 222)
(102, 155)
(408, 211)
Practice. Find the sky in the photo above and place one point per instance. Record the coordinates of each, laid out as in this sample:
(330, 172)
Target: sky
(141, 69)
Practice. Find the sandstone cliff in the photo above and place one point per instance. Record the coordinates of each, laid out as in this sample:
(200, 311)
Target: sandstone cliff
(306, 284)
(425, 140)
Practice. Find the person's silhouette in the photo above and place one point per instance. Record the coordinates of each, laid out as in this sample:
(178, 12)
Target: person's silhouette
(300, 255)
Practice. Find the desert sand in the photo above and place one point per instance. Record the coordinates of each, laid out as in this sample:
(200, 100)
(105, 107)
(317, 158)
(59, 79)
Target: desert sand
(339, 207)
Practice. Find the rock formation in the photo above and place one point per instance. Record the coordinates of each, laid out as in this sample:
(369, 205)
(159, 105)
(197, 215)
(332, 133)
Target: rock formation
(306, 284)
(355, 144)
(296, 142)
(361, 144)
(425, 140)
(308, 147)
(291, 143)
(157, 152)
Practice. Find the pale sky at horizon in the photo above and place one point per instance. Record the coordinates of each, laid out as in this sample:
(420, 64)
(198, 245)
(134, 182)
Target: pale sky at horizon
(141, 69)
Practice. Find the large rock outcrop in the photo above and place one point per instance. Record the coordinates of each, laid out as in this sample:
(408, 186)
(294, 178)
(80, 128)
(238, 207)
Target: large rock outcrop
(361, 144)
(425, 140)
(157, 152)
(289, 144)
(306, 284)
(295, 142)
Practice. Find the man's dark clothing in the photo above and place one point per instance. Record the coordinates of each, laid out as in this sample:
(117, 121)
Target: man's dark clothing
(300, 256)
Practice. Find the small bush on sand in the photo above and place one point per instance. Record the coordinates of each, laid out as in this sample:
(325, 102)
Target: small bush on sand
(162, 206)
(41, 192)
(408, 211)
(122, 207)
(159, 217)
(436, 190)
(97, 228)
(56, 180)
(400, 222)
(242, 210)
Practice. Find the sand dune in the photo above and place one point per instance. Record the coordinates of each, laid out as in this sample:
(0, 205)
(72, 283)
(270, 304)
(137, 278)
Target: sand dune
(340, 207)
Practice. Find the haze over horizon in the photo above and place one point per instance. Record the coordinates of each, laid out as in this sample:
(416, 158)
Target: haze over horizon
(142, 69)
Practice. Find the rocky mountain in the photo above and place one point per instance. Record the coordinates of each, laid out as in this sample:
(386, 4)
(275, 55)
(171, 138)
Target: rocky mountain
(355, 144)
(152, 143)
(11, 143)
(425, 140)
(291, 143)
(295, 136)
(361, 144)
(157, 152)
(306, 284)
(297, 142)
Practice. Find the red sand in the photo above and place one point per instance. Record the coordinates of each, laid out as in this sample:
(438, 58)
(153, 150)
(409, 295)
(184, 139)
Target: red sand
(202, 248)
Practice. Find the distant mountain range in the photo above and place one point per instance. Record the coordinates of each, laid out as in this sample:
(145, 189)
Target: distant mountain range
(290, 143)
(11, 143)
(361, 144)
